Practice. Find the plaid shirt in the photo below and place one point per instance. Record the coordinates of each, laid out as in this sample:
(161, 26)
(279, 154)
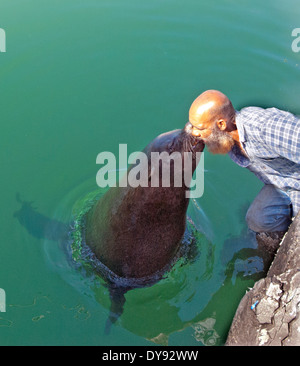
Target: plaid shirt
(271, 139)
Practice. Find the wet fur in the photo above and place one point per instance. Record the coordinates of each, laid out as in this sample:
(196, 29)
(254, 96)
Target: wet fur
(137, 232)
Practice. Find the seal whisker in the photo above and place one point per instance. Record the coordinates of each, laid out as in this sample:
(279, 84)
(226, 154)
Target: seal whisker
(190, 142)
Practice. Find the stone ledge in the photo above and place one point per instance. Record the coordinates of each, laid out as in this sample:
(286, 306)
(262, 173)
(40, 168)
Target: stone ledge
(268, 315)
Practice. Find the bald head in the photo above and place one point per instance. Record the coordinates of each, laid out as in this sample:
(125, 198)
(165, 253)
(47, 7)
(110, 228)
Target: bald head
(210, 106)
(213, 119)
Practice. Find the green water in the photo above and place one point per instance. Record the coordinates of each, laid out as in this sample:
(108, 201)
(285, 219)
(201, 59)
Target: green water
(80, 77)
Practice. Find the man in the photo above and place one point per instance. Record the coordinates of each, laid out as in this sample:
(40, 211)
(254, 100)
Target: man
(267, 142)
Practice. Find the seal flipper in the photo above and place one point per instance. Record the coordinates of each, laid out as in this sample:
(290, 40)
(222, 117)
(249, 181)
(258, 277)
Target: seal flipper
(117, 298)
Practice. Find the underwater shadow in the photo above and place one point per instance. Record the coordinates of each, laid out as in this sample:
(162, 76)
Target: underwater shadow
(37, 224)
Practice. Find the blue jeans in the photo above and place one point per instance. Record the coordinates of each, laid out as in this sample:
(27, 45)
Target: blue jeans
(270, 211)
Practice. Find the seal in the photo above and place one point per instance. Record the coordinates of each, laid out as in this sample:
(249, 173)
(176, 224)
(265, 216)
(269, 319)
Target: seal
(136, 231)
(133, 234)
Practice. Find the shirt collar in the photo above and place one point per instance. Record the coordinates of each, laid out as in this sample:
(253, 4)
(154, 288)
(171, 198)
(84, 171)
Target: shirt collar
(240, 127)
(235, 154)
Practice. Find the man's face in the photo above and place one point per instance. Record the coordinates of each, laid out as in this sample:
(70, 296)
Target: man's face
(216, 140)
